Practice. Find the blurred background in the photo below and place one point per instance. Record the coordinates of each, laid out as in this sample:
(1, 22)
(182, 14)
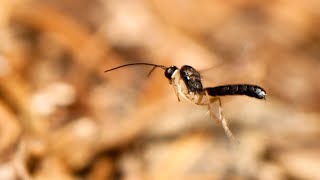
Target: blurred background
(62, 117)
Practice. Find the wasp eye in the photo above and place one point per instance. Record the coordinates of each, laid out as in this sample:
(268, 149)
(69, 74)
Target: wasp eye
(169, 71)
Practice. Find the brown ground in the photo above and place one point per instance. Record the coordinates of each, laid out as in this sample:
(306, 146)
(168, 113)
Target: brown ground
(61, 117)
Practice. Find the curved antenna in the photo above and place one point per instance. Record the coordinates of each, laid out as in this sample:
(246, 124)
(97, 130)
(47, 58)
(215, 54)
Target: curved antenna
(133, 64)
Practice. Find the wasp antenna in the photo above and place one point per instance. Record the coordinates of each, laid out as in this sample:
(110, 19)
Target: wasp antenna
(133, 64)
(151, 71)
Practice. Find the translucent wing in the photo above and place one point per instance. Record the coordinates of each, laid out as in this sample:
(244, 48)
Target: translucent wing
(239, 72)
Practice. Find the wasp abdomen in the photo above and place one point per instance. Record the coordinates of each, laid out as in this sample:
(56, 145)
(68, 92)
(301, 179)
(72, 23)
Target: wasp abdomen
(239, 89)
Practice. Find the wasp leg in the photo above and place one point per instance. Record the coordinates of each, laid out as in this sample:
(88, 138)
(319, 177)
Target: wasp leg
(221, 120)
(200, 96)
(179, 93)
(175, 87)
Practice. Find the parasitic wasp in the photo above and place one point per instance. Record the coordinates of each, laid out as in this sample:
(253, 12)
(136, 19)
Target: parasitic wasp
(186, 83)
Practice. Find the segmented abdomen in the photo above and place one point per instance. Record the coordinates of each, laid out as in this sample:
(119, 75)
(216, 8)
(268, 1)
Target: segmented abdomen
(238, 89)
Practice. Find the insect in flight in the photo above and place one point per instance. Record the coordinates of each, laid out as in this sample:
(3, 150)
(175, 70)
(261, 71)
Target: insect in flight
(186, 83)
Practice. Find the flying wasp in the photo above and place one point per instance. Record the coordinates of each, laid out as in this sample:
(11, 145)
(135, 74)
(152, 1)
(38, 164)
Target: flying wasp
(187, 84)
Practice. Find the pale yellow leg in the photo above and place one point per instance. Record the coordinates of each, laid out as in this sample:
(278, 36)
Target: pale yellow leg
(176, 91)
(221, 120)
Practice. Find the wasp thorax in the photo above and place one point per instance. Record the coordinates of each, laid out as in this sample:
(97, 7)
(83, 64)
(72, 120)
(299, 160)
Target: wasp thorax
(169, 72)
